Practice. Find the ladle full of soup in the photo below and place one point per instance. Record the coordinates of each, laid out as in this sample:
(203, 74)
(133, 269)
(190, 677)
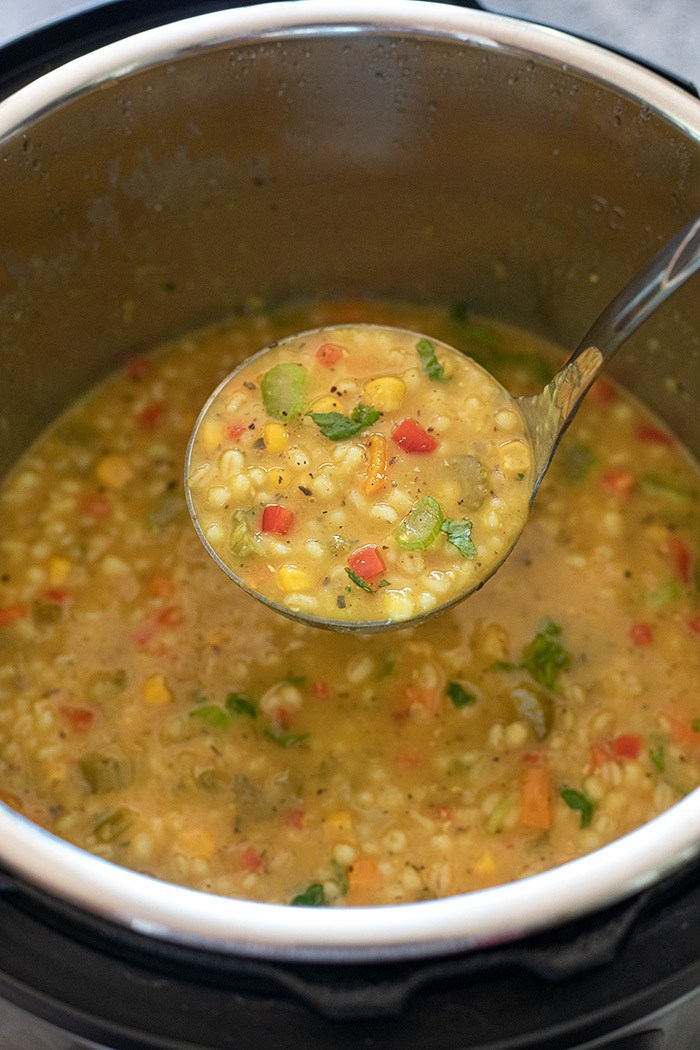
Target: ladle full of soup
(338, 472)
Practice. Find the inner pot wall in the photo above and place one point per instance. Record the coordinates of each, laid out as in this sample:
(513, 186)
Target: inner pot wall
(200, 170)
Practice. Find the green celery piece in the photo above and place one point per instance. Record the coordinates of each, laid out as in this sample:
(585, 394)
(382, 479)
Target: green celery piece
(668, 592)
(114, 825)
(576, 461)
(285, 739)
(105, 773)
(211, 716)
(653, 485)
(494, 822)
(657, 753)
(241, 539)
(428, 359)
(283, 391)
(421, 526)
(577, 800)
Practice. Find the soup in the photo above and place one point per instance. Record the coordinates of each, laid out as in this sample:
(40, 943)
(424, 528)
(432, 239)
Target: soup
(334, 478)
(155, 714)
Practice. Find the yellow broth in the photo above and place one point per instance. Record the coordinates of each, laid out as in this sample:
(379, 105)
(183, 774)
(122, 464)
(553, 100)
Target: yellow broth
(153, 713)
(361, 475)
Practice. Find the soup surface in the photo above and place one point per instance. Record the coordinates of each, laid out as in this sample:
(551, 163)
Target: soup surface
(335, 478)
(155, 714)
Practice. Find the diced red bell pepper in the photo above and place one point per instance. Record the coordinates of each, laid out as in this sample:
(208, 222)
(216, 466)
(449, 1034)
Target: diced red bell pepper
(693, 624)
(151, 416)
(651, 435)
(295, 819)
(602, 393)
(328, 354)
(250, 859)
(170, 616)
(276, 519)
(413, 439)
(9, 614)
(138, 367)
(641, 633)
(619, 483)
(681, 558)
(79, 717)
(322, 690)
(57, 595)
(627, 746)
(232, 431)
(366, 562)
(95, 506)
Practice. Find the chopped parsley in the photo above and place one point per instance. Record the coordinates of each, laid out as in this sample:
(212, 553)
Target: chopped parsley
(459, 533)
(545, 657)
(580, 802)
(211, 716)
(459, 697)
(238, 704)
(428, 359)
(312, 897)
(284, 738)
(657, 753)
(337, 427)
(359, 582)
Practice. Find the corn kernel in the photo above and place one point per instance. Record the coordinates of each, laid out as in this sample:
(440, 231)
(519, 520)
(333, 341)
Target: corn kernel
(292, 579)
(275, 437)
(58, 570)
(196, 842)
(337, 827)
(154, 691)
(325, 404)
(114, 471)
(386, 393)
(485, 864)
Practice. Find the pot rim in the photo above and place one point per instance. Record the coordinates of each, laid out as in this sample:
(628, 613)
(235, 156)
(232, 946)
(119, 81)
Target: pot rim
(387, 932)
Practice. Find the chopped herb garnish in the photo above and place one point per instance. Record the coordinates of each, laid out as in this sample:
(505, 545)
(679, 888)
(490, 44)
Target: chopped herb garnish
(653, 485)
(657, 753)
(312, 897)
(544, 657)
(211, 716)
(359, 582)
(428, 359)
(337, 427)
(661, 596)
(298, 680)
(695, 725)
(238, 704)
(459, 533)
(284, 738)
(459, 697)
(579, 801)
(340, 877)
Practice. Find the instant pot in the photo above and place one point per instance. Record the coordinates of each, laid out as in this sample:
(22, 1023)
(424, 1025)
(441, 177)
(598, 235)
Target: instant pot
(162, 165)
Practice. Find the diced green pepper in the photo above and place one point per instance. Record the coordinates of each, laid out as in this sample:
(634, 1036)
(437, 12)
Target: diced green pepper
(653, 485)
(113, 825)
(473, 480)
(105, 772)
(283, 391)
(421, 526)
(211, 716)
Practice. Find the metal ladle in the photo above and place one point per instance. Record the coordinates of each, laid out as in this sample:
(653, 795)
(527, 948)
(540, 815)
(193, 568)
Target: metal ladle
(547, 414)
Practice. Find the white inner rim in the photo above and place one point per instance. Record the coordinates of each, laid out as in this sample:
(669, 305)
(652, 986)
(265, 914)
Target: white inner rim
(477, 919)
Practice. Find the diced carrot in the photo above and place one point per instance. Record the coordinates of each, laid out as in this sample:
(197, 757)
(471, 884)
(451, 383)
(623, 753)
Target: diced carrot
(407, 759)
(249, 859)
(651, 435)
(295, 819)
(377, 476)
(679, 555)
(600, 754)
(277, 520)
(425, 703)
(11, 800)
(682, 730)
(413, 439)
(95, 506)
(79, 717)
(363, 876)
(57, 595)
(160, 585)
(535, 805)
(619, 483)
(10, 614)
(321, 690)
(170, 616)
(328, 354)
(366, 562)
(151, 416)
(445, 813)
(627, 746)
(693, 624)
(641, 633)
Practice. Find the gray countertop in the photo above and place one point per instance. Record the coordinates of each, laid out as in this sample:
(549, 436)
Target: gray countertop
(665, 32)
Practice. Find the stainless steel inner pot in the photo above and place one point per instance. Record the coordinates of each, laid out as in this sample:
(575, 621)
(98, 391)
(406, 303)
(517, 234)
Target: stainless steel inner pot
(300, 149)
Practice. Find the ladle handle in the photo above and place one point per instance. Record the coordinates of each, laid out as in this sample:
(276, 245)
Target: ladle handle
(548, 414)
